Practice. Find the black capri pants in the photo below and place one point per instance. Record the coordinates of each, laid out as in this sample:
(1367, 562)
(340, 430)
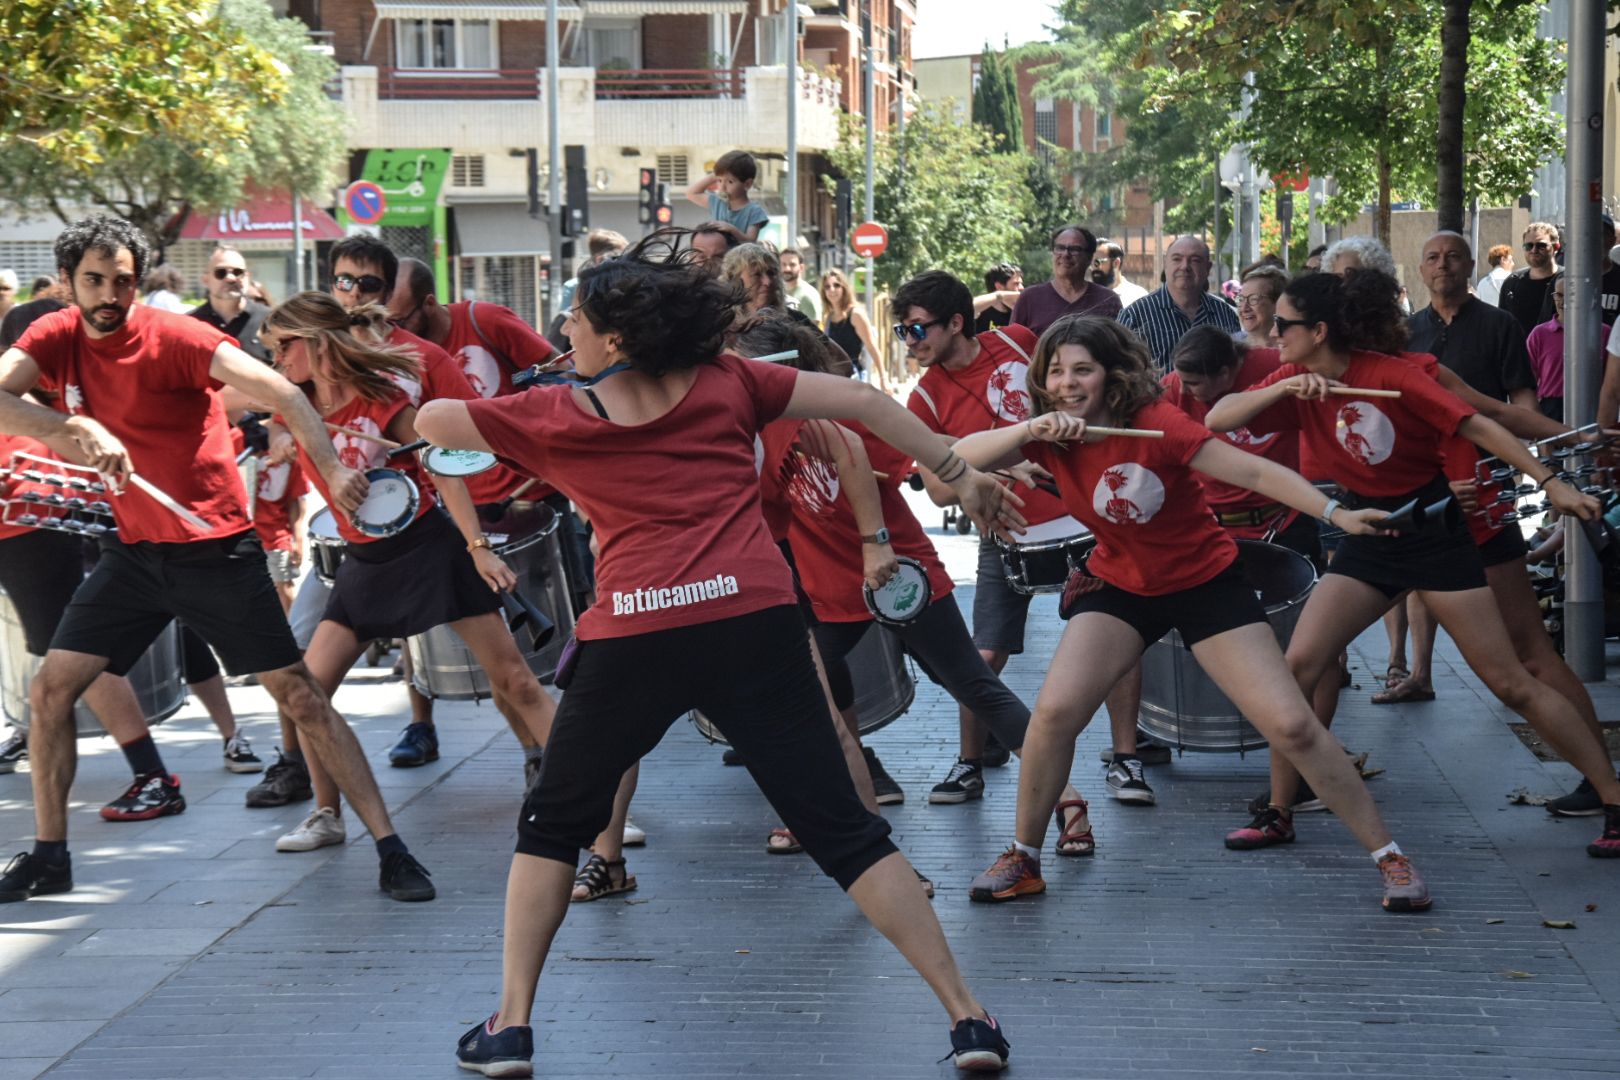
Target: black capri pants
(939, 641)
(752, 675)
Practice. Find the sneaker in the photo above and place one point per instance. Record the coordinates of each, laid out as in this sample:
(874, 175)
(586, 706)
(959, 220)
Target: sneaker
(531, 773)
(27, 876)
(418, 745)
(1584, 801)
(239, 755)
(1125, 782)
(287, 781)
(728, 756)
(1607, 846)
(1014, 874)
(506, 1052)
(1148, 751)
(322, 828)
(634, 835)
(13, 752)
(403, 878)
(965, 781)
(979, 1046)
(1403, 885)
(147, 798)
(1270, 826)
(995, 755)
(1306, 801)
(889, 793)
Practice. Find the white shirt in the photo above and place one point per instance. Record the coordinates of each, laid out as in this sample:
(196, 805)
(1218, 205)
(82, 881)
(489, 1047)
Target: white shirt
(1129, 292)
(164, 300)
(1489, 288)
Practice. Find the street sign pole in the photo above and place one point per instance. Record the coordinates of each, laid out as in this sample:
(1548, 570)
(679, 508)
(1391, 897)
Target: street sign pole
(554, 210)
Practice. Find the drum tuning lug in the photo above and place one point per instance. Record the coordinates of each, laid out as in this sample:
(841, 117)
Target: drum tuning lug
(28, 519)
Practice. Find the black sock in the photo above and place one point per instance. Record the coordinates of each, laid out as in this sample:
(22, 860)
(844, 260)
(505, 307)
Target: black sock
(388, 845)
(144, 760)
(51, 851)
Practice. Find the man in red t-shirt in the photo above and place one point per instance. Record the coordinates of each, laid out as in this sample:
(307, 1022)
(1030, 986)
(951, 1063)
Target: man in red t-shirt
(972, 384)
(490, 342)
(138, 391)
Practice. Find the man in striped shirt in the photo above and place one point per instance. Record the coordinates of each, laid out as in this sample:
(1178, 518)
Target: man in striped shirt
(1181, 303)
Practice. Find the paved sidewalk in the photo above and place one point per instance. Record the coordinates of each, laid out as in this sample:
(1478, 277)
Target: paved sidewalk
(192, 949)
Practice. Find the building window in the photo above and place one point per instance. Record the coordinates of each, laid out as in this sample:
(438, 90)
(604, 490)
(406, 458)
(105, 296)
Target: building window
(454, 44)
(614, 44)
(467, 170)
(1105, 125)
(1045, 128)
(672, 170)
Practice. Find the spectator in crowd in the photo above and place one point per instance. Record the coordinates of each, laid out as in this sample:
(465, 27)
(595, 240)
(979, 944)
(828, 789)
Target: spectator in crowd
(257, 292)
(8, 291)
(1358, 252)
(1480, 343)
(710, 241)
(1181, 303)
(801, 295)
(1489, 289)
(1609, 301)
(846, 323)
(1257, 303)
(163, 286)
(1003, 282)
(600, 244)
(1546, 347)
(42, 284)
(1108, 268)
(228, 307)
(1526, 294)
(1070, 292)
(1313, 261)
(724, 193)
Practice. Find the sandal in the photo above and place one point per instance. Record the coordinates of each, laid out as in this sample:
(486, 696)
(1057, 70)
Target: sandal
(1075, 839)
(1401, 692)
(595, 880)
(927, 885)
(792, 847)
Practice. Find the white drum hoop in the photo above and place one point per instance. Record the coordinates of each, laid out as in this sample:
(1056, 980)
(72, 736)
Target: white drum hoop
(903, 598)
(443, 461)
(389, 506)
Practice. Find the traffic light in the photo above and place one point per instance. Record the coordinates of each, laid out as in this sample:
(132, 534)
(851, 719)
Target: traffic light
(647, 206)
(663, 213)
(576, 192)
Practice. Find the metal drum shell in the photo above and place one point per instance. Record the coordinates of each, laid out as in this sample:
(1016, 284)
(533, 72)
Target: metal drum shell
(1202, 718)
(441, 664)
(325, 545)
(1041, 563)
(884, 687)
(156, 677)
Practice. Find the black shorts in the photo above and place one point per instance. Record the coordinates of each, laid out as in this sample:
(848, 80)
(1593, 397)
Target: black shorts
(220, 587)
(1394, 564)
(40, 571)
(1225, 602)
(1506, 546)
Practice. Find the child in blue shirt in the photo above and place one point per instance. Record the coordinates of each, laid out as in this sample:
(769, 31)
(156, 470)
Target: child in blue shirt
(728, 200)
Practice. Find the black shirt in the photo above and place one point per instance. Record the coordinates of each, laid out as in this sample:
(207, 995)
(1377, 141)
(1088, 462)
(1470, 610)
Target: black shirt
(1610, 300)
(22, 316)
(991, 318)
(1483, 345)
(244, 328)
(1527, 299)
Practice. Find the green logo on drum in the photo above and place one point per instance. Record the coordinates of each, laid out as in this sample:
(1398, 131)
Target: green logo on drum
(906, 596)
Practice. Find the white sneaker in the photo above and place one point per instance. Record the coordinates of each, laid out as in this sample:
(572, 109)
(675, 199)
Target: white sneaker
(322, 828)
(634, 835)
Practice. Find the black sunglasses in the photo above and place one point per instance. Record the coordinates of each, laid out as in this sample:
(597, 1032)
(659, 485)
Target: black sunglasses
(223, 272)
(367, 283)
(1539, 245)
(1283, 324)
(914, 332)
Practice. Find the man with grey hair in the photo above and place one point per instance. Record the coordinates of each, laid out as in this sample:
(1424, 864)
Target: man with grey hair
(1161, 317)
(1358, 251)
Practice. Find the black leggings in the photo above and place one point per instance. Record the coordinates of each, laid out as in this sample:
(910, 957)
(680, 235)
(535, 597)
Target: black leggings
(752, 675)
(941, 644)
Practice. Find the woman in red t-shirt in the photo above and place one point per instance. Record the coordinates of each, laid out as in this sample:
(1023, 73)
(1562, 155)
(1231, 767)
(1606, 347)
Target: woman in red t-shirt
(416, 579)
(1385, 452)
(1161, 563)
(695, 608)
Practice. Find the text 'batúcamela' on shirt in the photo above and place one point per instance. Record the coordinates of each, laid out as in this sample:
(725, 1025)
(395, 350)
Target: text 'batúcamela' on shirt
(630, 603)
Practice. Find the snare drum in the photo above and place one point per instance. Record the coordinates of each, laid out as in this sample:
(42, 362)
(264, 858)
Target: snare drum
(442, 461)
(390, 505)
(903, 597)
(325, 545)
(1045, 555)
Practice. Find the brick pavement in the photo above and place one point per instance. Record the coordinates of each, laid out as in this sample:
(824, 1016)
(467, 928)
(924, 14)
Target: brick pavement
(193, 950)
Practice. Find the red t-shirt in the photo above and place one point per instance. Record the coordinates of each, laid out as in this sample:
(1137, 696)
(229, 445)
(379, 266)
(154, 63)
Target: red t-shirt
(991, 392)
(674, 502)
(12, 487)
(1280, 447)
(822, 531)
(278, 487)
(149, 385)
(503, 329)
(1371, 446)
(1155, 534)
(373, 418)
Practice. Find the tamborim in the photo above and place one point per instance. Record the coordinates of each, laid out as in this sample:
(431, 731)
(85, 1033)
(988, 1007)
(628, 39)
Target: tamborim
(903, 597)
(390, 505)
(442, 461)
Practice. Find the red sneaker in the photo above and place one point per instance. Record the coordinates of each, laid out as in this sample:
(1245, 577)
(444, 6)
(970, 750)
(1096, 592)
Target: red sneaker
(1403, 885)
(153, 797)
(1607, 846)
(1270, 826)
(1014, 874)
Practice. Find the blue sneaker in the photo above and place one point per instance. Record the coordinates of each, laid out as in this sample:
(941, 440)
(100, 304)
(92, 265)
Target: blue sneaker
(506, 1052)
(978, 1045)
(418, 745)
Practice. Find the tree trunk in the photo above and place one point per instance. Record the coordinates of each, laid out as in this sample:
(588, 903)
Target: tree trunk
(1381, 224)
(1453, 100)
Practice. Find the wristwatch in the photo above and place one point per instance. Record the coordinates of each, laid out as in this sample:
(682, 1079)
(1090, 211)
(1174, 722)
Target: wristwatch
(481, 542)
(879, 537)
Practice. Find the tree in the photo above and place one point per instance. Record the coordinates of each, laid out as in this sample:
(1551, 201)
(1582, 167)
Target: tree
(292, 141)
(1448, 146)
(995, 100)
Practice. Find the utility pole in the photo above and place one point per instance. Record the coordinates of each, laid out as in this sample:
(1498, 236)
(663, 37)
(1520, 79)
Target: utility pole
(298, 241)
(869, 113)
(554, 208)
(790, 180)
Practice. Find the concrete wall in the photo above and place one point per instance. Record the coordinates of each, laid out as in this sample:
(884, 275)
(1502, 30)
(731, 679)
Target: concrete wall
(1410, 228)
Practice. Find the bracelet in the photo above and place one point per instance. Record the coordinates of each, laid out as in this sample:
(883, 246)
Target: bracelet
(956, 474)
(945, 463)
(1327, 511)
(1555, 476)
(481, 542)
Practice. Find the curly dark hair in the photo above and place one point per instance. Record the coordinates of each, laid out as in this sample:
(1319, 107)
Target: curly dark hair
(105, 235)
(939, 294)
(668, 313)
(1358, 309)
(1206, 350)
(1130, 382)
(775, 331)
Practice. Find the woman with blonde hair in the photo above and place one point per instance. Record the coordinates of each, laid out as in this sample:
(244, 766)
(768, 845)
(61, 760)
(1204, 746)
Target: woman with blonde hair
(847, 324)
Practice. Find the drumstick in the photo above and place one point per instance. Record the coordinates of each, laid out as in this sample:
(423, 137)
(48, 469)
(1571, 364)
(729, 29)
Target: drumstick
(495, 511)
(163, 497)
(379, 440)
(1134, 433)
(1359, 391)
(880, 475)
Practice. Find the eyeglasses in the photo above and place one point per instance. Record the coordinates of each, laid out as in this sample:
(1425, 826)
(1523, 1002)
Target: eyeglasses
(281, 345)
(1539, 245)
(1073, 251)
(223, 272)
(1283, 324)
(1101, 260)
(366, 283)
(1249, 299)
(914, 332)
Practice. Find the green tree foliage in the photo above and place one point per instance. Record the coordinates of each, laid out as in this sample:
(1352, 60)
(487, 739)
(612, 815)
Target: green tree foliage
(995, 100)
(293, 140)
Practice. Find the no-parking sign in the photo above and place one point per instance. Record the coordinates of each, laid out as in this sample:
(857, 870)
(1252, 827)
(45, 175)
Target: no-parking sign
(365, 202)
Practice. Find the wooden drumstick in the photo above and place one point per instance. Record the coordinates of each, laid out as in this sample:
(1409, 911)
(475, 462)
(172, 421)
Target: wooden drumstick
(496, 511)
(1130, 432)
(168, 502)
(1359, 391)
(379, 440)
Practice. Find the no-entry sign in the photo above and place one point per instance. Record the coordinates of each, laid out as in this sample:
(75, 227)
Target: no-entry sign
(869, 240)
(365, 202)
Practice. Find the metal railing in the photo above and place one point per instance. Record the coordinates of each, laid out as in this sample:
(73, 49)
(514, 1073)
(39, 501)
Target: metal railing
(669, 83)
(440, 84)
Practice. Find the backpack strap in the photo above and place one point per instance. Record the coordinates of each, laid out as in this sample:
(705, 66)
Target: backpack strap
(489, 346)
(1017, 348)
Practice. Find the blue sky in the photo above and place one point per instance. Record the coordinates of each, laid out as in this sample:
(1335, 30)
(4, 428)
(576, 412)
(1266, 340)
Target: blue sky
(958, 27)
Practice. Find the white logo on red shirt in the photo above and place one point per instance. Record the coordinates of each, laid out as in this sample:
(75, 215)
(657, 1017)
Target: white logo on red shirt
(1007, 391)
(1244, 437)
(412, 388)
(1128, 494)
(357, 453)
(481, 370)
(273, 482)
(73, 397)
(812, 484)
(1365, 433)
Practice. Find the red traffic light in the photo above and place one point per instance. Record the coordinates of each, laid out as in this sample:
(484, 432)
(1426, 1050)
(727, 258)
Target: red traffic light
(664, 214)
(649, 177)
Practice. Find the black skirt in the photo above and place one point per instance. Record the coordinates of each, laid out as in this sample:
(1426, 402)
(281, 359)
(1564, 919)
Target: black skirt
(1447, 563)
(409, 583)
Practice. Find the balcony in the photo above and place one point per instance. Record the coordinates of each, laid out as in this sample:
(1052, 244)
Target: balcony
(434, 84)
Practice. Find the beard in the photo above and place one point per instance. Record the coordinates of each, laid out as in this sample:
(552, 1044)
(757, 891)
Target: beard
(105, 318)
(1102, 277)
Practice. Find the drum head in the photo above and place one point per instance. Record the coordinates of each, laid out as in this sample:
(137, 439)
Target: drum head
(442, 461)
(323, 528)
(390, 504)
(903, 598)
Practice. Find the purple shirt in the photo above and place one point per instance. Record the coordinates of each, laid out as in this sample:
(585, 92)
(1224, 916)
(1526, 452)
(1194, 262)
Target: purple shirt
(1546, 347)
(1039, 306)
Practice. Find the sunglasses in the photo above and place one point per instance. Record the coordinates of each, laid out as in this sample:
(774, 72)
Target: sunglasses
(366, 283)
(914, 332)
(1283, 324)
(223, 272)
(1539, 245)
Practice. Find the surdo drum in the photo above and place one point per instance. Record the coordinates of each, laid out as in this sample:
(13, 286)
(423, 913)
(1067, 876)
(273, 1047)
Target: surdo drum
(1181, 706)
(1041, 560)
(884, 688)
(527, 539)
(325, 545)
